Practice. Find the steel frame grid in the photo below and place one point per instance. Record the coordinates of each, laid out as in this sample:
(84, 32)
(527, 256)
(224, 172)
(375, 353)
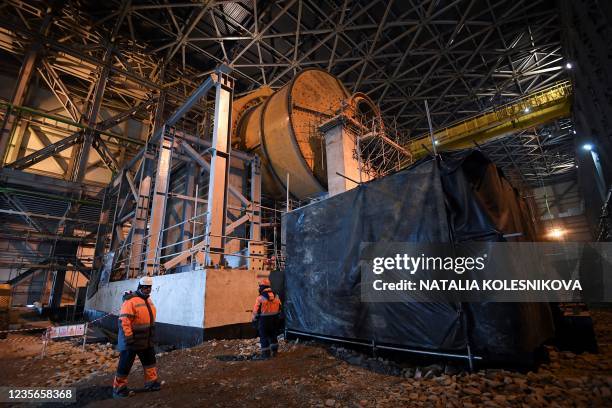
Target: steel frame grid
(462, 56)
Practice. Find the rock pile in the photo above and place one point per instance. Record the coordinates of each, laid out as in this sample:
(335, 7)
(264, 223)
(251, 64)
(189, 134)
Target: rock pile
(242, 347)
(334, 376)
(73, 364)
(582, 379)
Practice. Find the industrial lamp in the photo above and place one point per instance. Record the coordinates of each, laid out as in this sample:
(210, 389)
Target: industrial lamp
(556, 233)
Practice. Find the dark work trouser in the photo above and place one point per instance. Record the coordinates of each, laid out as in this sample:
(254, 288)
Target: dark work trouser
(268, 331)
(126, 360)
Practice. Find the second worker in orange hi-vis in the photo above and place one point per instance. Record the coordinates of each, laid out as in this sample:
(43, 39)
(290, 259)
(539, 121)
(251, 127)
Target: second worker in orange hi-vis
(136, 336)
(266, 316)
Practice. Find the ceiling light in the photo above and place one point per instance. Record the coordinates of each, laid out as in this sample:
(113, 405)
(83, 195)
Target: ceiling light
(556, 233)
(436, 142)
(587, 146)
(527, 109)
(568, 65)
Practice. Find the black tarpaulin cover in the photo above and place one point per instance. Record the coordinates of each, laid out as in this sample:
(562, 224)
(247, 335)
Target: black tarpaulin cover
(460, 197)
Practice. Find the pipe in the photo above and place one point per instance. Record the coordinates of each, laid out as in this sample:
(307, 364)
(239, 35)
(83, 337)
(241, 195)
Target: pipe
(403, 349)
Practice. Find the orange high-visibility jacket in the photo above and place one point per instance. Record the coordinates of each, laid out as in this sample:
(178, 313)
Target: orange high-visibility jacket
(137, 323)
(266, 304)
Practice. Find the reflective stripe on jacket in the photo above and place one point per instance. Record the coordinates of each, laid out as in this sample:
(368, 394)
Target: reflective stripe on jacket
(266, 304)
(136, 323)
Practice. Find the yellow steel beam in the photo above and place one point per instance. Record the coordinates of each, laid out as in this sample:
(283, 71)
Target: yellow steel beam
(532, 110)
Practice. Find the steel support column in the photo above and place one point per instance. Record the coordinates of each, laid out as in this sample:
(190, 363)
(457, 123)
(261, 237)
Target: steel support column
(83, 157)
(10, 120)
(141, 215)
(101, 233)
(142, 207)
(25, 77)
(188, 208)
(219, 170)
(255, 230)
(144, 193)
(116, 236)
(257, 249)
(158, 207)
(57, 289)
(92, 118)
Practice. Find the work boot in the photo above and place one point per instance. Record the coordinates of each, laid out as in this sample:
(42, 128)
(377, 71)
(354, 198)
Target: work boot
(152, 386)
(265, 354)
(121, 392)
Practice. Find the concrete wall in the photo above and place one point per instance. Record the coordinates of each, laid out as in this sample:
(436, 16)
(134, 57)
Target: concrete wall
(197, 299)
(179, 298)
(230, 295)
(339, 155)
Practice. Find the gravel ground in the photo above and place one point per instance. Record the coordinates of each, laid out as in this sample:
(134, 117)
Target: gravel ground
(220, 373)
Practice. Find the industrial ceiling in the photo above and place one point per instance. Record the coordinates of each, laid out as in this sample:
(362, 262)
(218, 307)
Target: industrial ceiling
(461, 56)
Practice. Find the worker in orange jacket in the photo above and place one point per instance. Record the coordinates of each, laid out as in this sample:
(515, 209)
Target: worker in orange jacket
(266, 316)
(136, 333)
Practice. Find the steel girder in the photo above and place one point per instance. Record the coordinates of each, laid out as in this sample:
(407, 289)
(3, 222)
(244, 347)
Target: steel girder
(462, 56)
(536, 157)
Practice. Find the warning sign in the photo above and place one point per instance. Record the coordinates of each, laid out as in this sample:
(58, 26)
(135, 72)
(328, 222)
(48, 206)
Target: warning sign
(67, 331)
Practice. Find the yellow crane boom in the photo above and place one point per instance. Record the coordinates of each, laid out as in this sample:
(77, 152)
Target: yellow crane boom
(531, 110)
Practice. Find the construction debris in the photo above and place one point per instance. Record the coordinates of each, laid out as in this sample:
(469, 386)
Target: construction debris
(75, 364)
(308, 373)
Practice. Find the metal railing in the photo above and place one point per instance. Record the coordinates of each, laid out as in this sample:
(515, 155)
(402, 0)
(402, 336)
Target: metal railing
(124, 265)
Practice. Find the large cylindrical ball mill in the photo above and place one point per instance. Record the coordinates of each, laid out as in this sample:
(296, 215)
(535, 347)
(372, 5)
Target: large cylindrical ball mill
(281, 128)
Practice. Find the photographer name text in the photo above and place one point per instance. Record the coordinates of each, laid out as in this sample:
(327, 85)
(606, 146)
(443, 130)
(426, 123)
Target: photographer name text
(481, 285)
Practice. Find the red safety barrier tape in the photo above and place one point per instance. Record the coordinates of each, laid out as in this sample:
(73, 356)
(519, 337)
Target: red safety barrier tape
(101, 317)
(22, 330)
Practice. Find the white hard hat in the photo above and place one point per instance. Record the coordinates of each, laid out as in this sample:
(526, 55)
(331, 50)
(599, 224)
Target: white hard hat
(146, 281)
